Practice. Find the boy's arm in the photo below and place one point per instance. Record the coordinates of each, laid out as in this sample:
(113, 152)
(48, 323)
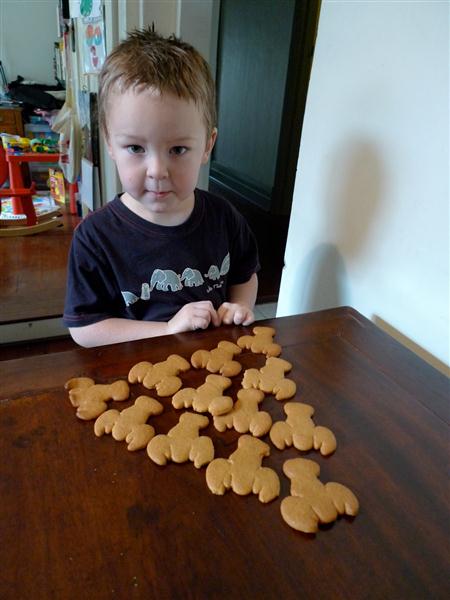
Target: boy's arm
(241, 300)
(113, 331)
(196, 315)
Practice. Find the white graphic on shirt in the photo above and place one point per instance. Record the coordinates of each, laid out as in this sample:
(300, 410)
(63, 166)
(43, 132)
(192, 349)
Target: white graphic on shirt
(192, 277)
(145, 291)
(167, 280)
(213, 273)
(131, 298)
(225, 266)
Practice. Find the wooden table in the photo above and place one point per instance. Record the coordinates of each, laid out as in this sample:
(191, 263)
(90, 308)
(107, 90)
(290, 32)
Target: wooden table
(33, 272)
(83, 517)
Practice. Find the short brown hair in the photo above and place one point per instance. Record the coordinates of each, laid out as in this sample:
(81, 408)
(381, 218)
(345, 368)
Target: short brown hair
(148, 60)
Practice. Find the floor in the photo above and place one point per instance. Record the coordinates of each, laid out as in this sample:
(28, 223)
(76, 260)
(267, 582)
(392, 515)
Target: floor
(265, 311)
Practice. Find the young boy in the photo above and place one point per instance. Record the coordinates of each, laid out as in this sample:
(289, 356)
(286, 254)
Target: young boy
(163, 257)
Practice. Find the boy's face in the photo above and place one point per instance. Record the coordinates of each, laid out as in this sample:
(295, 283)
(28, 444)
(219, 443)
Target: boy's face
(158, 143)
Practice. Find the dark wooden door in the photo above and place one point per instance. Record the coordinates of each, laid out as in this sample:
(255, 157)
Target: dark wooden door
(264, 58)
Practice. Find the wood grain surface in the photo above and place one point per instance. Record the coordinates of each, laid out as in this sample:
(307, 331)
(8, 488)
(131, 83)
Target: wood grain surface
(33, 271)
(81, 516)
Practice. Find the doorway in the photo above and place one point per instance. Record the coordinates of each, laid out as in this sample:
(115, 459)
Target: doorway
(265, 50)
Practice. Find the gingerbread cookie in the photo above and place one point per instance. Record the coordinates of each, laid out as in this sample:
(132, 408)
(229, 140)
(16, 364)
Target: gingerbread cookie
(79, 383)
(312, 502)
(182, 443)
(261, 342)
(90, 398)
(270, 379)
(131, 423)
(219, 360)
(299, 430)
(162, 376)
(206, 398)
(245, 415)
(242, 471)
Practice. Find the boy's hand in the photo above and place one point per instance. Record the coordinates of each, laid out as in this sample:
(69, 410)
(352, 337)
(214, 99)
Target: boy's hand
(195, 315)
(236, 313)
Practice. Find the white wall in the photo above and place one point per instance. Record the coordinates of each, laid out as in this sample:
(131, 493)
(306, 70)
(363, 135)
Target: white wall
(370, 219)
(28, 30)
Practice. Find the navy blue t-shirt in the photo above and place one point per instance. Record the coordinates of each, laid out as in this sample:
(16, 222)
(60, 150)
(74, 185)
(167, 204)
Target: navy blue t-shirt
(121, 265)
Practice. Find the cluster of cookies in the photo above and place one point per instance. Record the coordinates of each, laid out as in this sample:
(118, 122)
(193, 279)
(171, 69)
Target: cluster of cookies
(311, 502)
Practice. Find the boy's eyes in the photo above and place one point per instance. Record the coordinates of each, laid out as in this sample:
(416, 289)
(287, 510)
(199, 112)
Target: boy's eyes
(135, 149)
(178, 150)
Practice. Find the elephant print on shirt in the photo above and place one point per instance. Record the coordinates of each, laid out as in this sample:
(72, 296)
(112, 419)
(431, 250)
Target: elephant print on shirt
(192, 277)
(215, 273)
(225, 266)
(167, 280)
(131, 298)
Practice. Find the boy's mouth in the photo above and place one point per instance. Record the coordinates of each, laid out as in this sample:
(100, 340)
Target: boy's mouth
(158, 195)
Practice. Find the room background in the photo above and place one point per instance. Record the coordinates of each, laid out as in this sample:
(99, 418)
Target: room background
(370, 218)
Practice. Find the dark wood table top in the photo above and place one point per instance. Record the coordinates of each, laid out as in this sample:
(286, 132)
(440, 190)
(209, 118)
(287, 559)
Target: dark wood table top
(33, 272)
(83, 517)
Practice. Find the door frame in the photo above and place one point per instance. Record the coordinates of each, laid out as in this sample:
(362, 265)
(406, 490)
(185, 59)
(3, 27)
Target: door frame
(278, 200)
(304, 33)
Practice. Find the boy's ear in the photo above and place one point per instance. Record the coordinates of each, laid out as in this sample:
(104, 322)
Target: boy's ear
(209, 145)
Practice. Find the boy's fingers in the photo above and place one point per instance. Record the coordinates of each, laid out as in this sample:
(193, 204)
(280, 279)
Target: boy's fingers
(204, 315)
(239, 316)
(205, 309)
(220, 311)
(223, 308)
(228, 317)
(216, 320)
(232, 313)
(199, 322)
(250, 318)
(244, 317)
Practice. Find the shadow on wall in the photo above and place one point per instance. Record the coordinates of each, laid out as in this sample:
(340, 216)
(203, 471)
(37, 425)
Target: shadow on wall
(351, 201)
(325, 279)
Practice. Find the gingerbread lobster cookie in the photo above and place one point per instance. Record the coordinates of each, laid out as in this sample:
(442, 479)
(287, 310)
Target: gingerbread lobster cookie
(208, 397)
(219, 360)
(271, 379)
(243, 473)
(161, 376)
(245, 415)
(300, 431)
(311, 502)
(261, 342)
(90, 398)
(131, 423)
(183, 443)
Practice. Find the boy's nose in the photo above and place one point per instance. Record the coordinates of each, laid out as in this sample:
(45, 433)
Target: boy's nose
(156, 168)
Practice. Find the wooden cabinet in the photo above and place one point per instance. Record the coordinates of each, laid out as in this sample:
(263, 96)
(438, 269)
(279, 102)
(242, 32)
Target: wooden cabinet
(11, 121)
